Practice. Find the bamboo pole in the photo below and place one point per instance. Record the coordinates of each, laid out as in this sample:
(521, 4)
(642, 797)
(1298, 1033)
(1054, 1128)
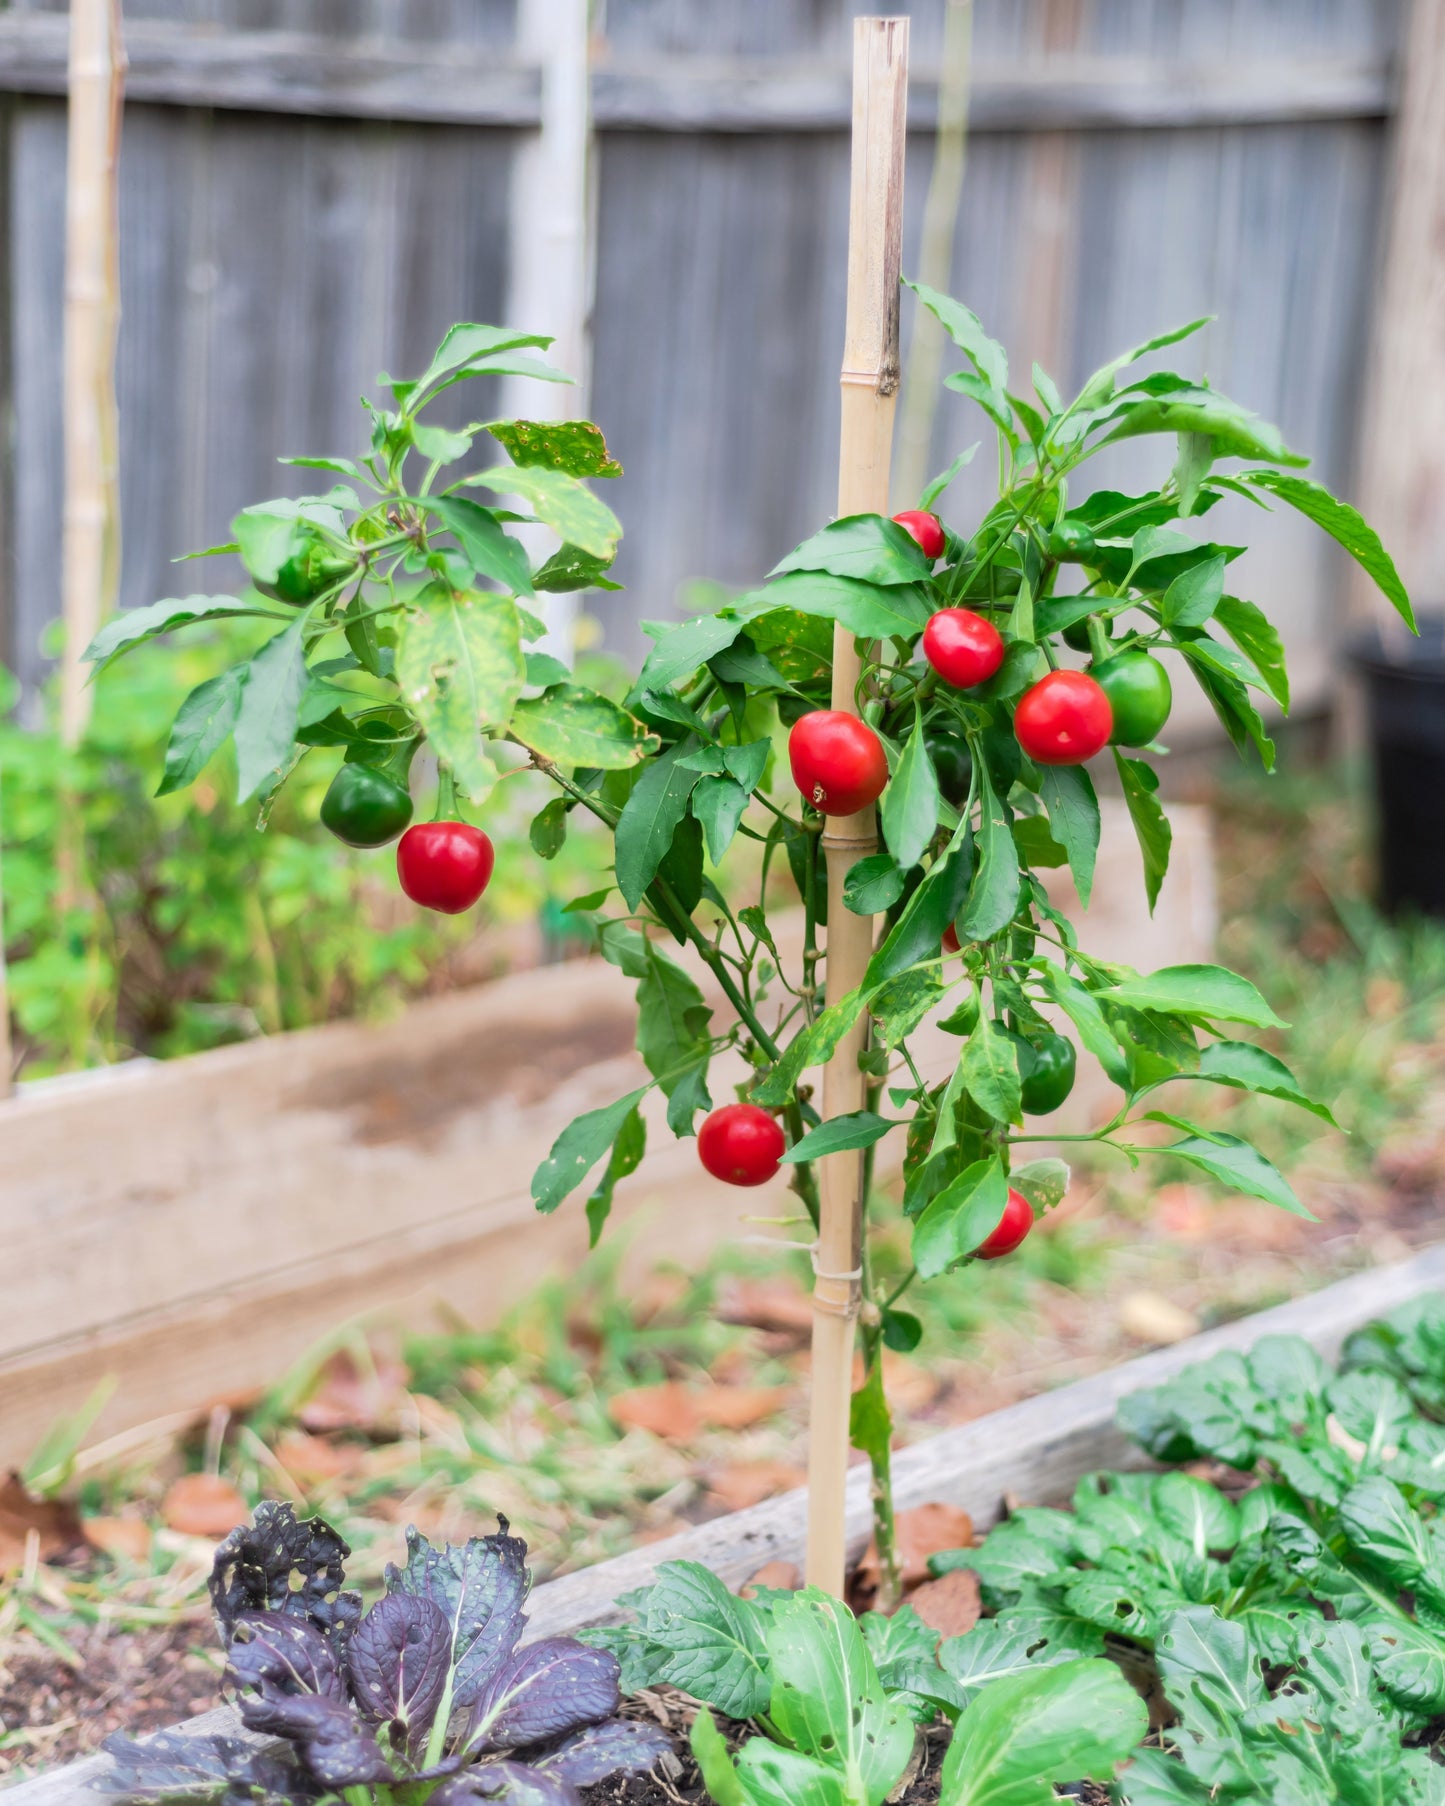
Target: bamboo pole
(90, 544)
(869, 382)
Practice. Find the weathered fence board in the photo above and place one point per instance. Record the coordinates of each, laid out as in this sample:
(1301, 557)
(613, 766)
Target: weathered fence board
(1034, 1452)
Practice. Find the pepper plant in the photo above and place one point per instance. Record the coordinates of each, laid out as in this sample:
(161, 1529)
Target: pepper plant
(405, 620)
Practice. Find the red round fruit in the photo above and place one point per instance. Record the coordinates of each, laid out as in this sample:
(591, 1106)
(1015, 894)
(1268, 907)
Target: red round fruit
(962, 647)
(444, 865)
(1064, 719)
(950, 940)
(926, 528)
(838, 761)
(741, 1144)
(1012, 1227)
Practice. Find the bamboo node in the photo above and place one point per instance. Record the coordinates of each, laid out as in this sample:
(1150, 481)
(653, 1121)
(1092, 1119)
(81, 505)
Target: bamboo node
(836, 1294)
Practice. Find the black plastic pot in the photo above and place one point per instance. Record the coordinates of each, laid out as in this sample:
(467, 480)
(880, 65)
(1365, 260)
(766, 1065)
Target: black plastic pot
(1405, 694)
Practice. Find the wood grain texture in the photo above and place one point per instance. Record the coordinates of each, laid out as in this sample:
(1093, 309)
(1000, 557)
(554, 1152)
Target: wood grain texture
(1034, 1451)
(1402, 468)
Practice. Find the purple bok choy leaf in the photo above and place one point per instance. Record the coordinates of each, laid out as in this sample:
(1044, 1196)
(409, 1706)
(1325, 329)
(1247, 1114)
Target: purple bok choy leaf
(397, 1663)
(545, 1690)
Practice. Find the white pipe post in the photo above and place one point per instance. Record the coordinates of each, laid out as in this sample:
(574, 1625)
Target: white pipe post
(551, 241)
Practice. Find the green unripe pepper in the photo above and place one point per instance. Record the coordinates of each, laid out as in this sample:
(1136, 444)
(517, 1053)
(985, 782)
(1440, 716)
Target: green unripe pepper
(1139, 694)
(952, 766)
(313, 567)
(1071, 542)
(1077, 636)
(1051, 1078)
(364, 807)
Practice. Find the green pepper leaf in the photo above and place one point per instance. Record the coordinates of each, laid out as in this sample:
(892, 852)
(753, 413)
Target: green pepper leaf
(460, 669)
(1203, 993)
(1232, 1161)
(270, 707)
(872, 611)
(867, 546)
(1068, 795)
(570, 568)
(873, 885)
(1250, 1068)
(963, 1215)
(993, 896)
(574, 514)
(909, 814)
(136, 624)
(719, 803)
(203, 723)
(575, 446)
(991, 1071)
(1151, 824)
(1259, 641)
(490, 549)
(571, 725)
(1346, 526)
(649, 819)
(858, 1129)
(578, 1149)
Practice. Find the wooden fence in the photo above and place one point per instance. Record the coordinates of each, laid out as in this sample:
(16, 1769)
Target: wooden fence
(313, 189)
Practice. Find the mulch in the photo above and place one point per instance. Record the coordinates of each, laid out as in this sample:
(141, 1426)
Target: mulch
(137, 1681)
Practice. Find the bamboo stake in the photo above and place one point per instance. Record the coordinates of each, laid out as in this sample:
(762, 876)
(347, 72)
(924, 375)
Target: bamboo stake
(90, 551)
(869, 381)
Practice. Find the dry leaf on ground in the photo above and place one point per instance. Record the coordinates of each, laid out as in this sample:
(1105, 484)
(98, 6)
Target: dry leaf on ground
(771, 1304)
(951, 1604)
(677, 1412)
(128, 1537)
(203, 1505)
(781, 1574)
(921, 1531)
(53, 1524)
(744, 1483)
(370, 1396)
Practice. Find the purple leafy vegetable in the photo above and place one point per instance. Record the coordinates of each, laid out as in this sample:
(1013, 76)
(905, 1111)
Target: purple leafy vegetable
(508, 1783)
(439, 1650)
(480, 1589)
(621, 1746)
(398, 1660)
(287, 1655)
(547, 1689)
(170, 1765)
(253, 1568)
(337, 1748)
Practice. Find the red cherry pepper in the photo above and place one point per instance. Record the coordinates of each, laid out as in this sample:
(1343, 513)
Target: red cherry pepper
(962, 647)
(1012, 1227)
(1064, 719)
(741, 1144)
(444, 865)
(838, 761)
(926, 528)
(950, 939)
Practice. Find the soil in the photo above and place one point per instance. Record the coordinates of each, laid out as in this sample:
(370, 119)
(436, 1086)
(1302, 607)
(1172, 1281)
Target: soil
(52, 1711)
(684, 1788)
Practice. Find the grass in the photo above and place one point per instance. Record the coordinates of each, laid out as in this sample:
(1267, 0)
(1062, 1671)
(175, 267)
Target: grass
(536, 1417)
